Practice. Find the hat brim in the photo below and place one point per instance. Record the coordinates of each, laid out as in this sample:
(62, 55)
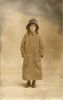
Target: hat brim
(28, 25)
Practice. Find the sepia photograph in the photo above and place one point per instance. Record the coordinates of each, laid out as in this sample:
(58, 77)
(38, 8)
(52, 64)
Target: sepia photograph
(31, 49)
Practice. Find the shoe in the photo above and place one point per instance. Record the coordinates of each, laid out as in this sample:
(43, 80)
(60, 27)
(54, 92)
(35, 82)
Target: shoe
(33, 84)
(28, 84)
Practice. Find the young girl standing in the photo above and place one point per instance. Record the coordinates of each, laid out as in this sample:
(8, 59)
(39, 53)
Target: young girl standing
(32, 51)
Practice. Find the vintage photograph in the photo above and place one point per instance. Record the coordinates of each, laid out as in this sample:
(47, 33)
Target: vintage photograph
(31, 49)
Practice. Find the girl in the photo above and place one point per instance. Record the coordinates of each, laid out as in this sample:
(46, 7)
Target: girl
(32, 51)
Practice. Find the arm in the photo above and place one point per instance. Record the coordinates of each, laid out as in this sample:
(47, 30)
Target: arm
(40, 47)
(22, 48)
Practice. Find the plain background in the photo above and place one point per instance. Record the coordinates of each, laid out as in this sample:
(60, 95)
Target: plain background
(13, 28)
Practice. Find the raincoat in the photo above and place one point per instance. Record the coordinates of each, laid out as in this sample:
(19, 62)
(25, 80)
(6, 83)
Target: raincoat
(32, 51)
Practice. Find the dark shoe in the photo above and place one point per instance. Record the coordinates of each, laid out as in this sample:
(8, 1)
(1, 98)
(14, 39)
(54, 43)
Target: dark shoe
(33, 84)
(28, 84)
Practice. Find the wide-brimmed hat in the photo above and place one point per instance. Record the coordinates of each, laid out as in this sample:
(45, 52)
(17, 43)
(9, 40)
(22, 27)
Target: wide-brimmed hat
(32, 21)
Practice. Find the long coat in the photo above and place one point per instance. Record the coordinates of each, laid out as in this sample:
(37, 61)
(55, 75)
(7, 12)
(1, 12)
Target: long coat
(32, 51)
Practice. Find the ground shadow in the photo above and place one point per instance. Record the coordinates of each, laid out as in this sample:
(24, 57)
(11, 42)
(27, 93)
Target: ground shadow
(21, 84)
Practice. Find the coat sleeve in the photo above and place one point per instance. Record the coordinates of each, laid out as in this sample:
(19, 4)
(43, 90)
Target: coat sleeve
(22, 48)
(40, 47)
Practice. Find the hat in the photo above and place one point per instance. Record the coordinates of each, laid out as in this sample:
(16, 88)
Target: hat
(32, 21)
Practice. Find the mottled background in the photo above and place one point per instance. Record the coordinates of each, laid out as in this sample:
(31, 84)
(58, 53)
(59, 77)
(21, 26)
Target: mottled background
(14, 16)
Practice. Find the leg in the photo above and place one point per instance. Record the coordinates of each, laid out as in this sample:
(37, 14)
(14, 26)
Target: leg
(33, 84)
(28, 84)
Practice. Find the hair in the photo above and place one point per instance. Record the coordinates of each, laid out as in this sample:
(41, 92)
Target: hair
(28, 28)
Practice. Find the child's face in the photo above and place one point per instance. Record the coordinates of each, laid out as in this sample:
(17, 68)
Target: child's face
(32, 28)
